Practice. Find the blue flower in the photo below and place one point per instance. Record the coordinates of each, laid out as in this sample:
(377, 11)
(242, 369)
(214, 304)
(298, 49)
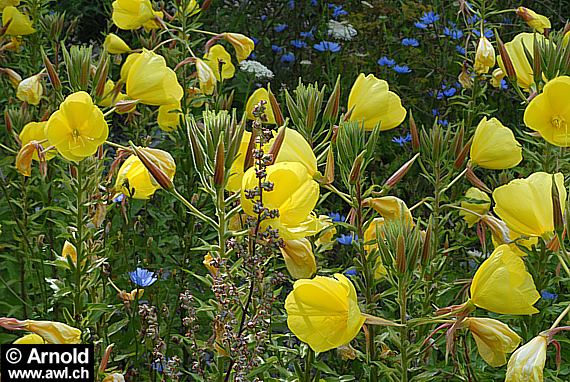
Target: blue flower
(429, 18)
(346, 239)
(460, 50)
(504, 84)
(280, 28)
(443, 122)
(255, 41)
(252, 56)
(337, 217)
(308, 34)
(314, 3)
(449, 92)
(472, 19)
(434, 112)
(288, 58)
(488, 33)
(263, 17)
(337, 11)
(455, 34)
(276, 49)
(402, 69)
(350, 272)
(291, 4)
(119, 198)
(548, 296)
(410, 42)
(142, 277)
(402, 140)
(420, 25)
(299, 44)
(329, 46)
(385, 61)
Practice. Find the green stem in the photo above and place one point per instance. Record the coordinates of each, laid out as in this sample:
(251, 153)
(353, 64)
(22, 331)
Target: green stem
(560, 317)
(402, 295)
(79, 243)
(309, 364)
(193, 210)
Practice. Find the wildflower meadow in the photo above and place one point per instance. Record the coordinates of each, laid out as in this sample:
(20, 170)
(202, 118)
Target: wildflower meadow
(287, 190)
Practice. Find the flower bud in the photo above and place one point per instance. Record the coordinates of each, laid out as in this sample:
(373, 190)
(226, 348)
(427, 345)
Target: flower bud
(219, 167)
(497, 77)
(534, 20)
(401, 264)
(354, 175)
(331, 109)
(401, 172)
(52, 73)
(243, 45)
(13, 77)
(279, 120)
(24, 158)
(527, 363)
(299, 258)
(115, 45)
(506, 59)
(30, 90)
(329, 167)
(485, 56)
(475, 181)
(414, 133)
(69, 251)
(126, 106)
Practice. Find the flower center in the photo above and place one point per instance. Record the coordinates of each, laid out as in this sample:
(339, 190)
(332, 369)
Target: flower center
(75, 133)
(559, 122)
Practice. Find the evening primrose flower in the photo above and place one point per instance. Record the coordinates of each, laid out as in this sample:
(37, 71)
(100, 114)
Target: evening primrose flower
(527, 363)
(206, 77)
(35, 131)
(77, 128)
(115, 377)
(323, 312)
(485, 56)
(216, 58)
(260, 94)
(20, 24)
(169, 117)
(294, 194)
(210, 264)
(236, 171)
(69, 251)
(494, 146)
(391, 208)
(497, 78)
(149, 80)
(133, 14)
(516, 52)
(477, 201)
(243, 45)
(30, 339)
(549, 114)
(299, 258)
(136, 181)
(534, 20)
(51, 331)
(503, 285)
(525, 205)
(115, 45)
(494, 339)
(295, 148)
(371, 102)
(30, 90)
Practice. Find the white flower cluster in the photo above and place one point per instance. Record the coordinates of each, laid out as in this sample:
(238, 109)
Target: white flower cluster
(341, 31)
(258, 69)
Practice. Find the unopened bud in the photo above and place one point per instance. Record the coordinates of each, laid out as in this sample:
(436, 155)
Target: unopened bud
(401, 264)
(499, 229)
(401, 172)
(248, 160)
(279, 120)
(155, 171)
(219, 164)
(329, 167)
(475, 181)
(460, 158)
(414, 133)
(331, 109)
(52, 74)
(24, 158)
(426, 249)
(8, 122)
(356, 168)
(13, 77)
(507, 62)
(277, 143)
(106, 356)
(126, 106)
(557, 208)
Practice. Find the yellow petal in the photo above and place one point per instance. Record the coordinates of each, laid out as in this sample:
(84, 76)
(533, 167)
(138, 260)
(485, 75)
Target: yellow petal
(478, 202)
(132, 14)
(30, 339)
(494, 339)
(54, 332)
(243, 45)
(494, 146)
(115, 45)
(527, 363)
(169, 117)
(296, 149)
(217, 56)
(260, 94)
(30, 90)
(299, 258)
(20, 24)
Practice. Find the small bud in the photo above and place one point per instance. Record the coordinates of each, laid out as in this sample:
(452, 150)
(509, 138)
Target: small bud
(414, 133)
(206, 5)
(279, 120)
(126, 106)
(507, 62)
(426, 249)
(460, 158)
(197, 154)
(219, 167)
(248, 160)
(24, 158)
(274, 151)
(475, 181)
(331, 109)
(401, 265)
(356, 167)
(557, 208)
(329, 167)
(13, 77)
(401, 172)
(499, 229)
(106, 356)
(8, 121)
(52, 74)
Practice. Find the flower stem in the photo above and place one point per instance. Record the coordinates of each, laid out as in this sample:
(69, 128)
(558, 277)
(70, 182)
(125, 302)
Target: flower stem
(560, 317)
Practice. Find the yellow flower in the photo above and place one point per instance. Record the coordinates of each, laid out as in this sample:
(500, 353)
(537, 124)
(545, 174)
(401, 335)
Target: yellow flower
(296, 149)
(78, 128)
(294, 194)
(30, 339)
(54, 332)
(494, 146)
(150, 81)
(527, 363)
(169, 117)
(109, 93)
(485, 56)
(35, 131)
(371, 102)
(494, 339)
(516, 51)
(206, 77)
(478, 202)
(549, 114)
(299, 258)
(20, 24)
(323, 312)
(115, 45)
(7, 3)
(503, 285)
(533, 19)
(497, 77)
(391, 208)
(516, 240)
(192, 8)
(69, 251)
(217, 56)
(132, 14)
(135, 181)
(30, 90)
(154, 23)
(243, 45)
(525, 205)
(260, 94)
